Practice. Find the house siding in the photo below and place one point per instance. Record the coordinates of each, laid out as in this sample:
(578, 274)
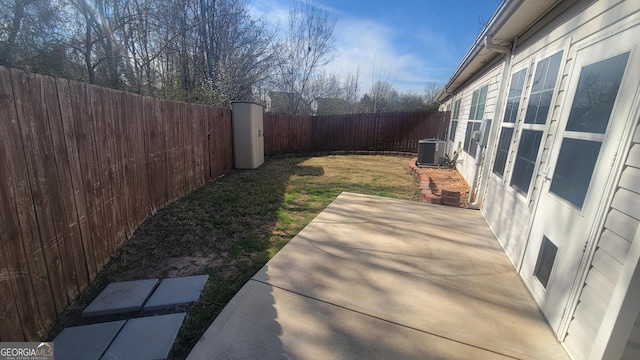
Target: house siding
(491, 77)
(510, 214)
(621, 224)
(507, 211)
(569, 27)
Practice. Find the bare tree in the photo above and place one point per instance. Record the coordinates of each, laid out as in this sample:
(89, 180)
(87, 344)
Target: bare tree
(309, 45)
(381, 96)
(431, 92)
(239, 52)
(28, 37)
(208, 51)
(352, 90)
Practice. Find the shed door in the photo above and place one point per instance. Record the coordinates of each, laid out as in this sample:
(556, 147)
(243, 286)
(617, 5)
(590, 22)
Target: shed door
(600, 92)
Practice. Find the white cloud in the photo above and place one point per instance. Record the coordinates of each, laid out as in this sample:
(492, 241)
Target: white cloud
(362, 43)
(273, 12)
(375, 49)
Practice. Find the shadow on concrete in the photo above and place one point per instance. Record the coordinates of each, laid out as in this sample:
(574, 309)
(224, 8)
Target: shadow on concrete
(379, 278)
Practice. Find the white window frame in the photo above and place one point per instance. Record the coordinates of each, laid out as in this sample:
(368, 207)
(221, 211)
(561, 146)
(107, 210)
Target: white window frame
(520, 124)
(511, 125)
(455, 115)
(475, 119)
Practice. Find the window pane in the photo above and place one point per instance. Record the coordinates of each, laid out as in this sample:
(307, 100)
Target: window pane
(542, 90)
(552, 71)
(480, 110)
(546, 258)
(456, 109)
(538, 78)
(478, 101)
(526, 160)
(482, 101)
(503, 150)
(467, 136)
(518, 83)
(574, 168)
(511, 110)
(538, 108)
(596, 93)
(454, 126)
(513, 100)
(474, 105)
(473, 146)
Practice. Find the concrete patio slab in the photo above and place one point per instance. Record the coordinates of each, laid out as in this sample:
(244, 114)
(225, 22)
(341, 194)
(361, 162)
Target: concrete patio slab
(146, 338)
(121, 297)
(87, 342)
(317, 330)
(373, 277)
(176, 292)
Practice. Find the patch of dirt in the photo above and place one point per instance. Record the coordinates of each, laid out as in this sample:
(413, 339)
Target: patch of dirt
(451, 178)
(187, 266)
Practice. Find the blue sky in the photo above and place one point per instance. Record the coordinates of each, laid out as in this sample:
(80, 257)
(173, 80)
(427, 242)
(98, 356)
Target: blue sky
(411, 42)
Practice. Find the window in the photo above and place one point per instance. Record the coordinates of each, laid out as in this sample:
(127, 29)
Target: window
(503, 150)
(535, 120)
(454, 120)
(542, 89)
(576, 162)
(471, 146)
(478, 102)
(588, 121)
(526, 160)
(513, 99)
(509, 120)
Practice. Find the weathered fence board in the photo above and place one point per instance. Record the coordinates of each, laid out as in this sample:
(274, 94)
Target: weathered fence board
(21, 272)
(43, 184)
(76, 208)
(359, 132)
(286, 133)
(66, 221)
(82, 167)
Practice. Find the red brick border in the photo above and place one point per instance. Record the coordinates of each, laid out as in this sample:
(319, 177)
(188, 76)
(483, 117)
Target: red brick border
(429, 189)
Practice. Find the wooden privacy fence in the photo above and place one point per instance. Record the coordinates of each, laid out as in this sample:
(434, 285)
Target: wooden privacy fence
(80, 168)
(285, 133)
(377, 132)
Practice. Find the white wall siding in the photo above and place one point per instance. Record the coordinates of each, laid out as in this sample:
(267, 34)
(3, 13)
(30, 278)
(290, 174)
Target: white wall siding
(492, 78)
(620, 227)
(568, 27)
(507, 214)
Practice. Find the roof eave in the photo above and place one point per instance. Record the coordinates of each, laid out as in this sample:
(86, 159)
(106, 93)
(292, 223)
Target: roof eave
(529, 11)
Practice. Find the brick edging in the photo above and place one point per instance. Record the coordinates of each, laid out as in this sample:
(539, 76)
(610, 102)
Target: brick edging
(429, 192)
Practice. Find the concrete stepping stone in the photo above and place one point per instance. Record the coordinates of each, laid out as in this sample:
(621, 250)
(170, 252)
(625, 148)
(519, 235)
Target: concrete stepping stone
(175, 292)
(121, 297)
(145, 338)
(86, 342)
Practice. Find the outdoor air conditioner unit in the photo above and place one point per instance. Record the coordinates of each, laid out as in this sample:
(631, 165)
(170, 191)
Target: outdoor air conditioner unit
(430, 151)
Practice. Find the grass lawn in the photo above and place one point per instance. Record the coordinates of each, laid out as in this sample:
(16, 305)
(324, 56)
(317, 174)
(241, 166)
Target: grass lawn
(231, 227)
